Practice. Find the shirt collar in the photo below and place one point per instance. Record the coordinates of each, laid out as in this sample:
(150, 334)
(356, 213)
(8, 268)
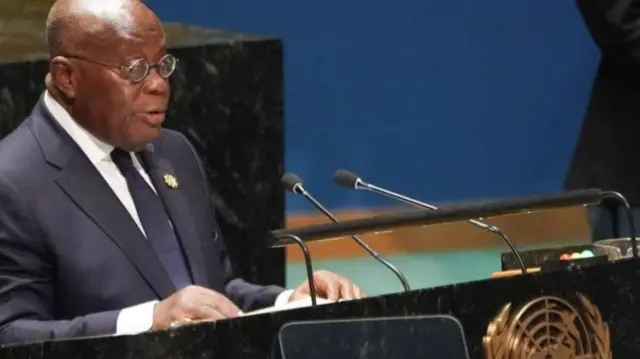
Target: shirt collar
(95, 149)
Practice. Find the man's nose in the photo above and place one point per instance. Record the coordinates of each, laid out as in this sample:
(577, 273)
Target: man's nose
(156, 84)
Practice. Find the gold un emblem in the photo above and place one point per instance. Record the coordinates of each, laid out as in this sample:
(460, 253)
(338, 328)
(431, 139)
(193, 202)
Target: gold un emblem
(548, 328)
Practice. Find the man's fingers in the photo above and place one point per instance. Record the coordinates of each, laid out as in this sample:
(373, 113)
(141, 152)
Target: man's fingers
(346, 290)
(358, 294)
(227, 308)
(202, 311)
(329, 287)
(221, 303)
(341, 285)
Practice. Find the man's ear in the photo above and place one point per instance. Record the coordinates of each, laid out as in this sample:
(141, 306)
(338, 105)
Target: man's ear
(63, 76)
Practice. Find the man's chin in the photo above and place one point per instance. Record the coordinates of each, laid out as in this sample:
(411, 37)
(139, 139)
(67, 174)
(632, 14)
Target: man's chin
(140, 143)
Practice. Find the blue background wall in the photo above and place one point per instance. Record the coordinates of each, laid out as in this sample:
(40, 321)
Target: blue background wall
(445, 100)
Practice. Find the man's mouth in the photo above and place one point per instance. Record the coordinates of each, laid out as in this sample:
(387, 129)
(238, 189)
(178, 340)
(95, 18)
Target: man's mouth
(157, 111)
(155, 117)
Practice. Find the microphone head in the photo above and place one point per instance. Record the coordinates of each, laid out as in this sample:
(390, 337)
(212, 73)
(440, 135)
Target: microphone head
(346, 179)
(292, 183)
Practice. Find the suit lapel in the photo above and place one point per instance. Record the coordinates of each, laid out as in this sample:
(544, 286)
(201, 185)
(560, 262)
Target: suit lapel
(82, 182)
(178, 210)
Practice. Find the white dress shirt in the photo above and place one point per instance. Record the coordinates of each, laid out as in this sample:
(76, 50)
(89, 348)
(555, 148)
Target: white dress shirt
(138, 318)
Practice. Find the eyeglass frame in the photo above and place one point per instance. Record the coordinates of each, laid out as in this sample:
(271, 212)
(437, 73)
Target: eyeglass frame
(127, 69)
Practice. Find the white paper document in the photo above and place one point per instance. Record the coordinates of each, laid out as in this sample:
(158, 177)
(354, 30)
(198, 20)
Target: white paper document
(300, 303)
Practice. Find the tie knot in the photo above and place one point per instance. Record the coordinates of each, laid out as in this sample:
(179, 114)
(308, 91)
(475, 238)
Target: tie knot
(122, 159)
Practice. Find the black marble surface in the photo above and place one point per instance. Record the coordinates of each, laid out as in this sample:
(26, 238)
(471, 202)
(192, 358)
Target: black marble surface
(613, 288)
(227, 99)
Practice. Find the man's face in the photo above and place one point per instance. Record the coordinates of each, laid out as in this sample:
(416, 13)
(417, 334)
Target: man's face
(107, 103)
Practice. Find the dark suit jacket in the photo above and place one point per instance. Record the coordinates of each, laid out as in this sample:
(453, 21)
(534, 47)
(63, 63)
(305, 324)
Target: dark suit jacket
(608, 148)
(70, 254)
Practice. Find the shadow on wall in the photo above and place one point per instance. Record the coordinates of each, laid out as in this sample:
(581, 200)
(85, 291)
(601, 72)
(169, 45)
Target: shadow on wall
(442, 100)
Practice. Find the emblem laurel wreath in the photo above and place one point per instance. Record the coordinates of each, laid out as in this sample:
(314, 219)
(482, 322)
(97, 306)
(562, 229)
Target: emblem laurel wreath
(496, 340)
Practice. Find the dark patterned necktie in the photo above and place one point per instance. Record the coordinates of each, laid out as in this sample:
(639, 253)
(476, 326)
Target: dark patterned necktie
(155, 220)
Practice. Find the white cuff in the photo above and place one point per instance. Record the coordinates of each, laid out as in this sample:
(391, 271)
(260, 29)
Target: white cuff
(135, 320)
(283, 298)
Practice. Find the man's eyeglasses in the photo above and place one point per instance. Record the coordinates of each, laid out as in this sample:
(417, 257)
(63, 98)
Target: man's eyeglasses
(140, 68)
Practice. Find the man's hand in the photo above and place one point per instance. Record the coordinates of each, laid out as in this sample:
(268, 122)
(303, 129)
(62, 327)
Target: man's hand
(193, 303)
(330, 286)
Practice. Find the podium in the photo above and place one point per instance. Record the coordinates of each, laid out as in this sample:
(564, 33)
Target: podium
(436, 336)
(592, 311)
(583, 312)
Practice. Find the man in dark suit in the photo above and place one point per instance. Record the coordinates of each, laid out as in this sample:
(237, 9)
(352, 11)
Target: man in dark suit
(607, 151)
(104, 223)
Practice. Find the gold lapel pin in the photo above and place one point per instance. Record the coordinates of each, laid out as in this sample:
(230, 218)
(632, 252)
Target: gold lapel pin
(171, 181)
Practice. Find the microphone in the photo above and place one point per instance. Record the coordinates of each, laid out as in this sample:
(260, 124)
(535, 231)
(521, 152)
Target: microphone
(293, 184)
(351, 180)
